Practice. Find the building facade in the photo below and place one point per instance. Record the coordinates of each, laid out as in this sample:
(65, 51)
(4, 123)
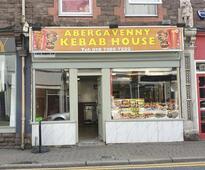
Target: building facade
(112, 71)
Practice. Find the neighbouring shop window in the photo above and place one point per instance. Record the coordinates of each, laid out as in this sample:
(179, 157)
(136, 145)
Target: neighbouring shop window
(133, 8)
(200, 67)
(52, 94)
(75, 7)
(150, 93)
(8, 90)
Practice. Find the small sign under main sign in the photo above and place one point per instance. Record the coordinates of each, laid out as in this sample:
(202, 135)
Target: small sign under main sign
(44, 55)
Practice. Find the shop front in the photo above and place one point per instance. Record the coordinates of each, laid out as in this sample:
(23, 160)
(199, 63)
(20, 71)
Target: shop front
(7, 85)
(200, 81)
(113, 85)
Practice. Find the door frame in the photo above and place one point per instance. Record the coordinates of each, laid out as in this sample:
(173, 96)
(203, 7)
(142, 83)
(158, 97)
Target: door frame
(97, 74)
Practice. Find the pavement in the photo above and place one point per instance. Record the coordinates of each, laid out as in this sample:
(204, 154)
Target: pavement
(111, 154)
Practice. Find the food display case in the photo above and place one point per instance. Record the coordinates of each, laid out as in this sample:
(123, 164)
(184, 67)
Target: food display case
(139, 109)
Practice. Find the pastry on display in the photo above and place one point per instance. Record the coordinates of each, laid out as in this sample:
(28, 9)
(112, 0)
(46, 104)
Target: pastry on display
(173, 114)
(125, 103)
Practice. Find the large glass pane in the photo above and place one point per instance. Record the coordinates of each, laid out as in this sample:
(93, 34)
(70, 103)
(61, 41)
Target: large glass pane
(202, 115)
(75, 7)
(203, 128)
(145, 93)
(7, 90)
(140, 10)
(202, 92)
(52, 94)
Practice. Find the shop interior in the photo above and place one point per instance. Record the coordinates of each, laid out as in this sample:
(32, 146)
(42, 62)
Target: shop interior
(52, 100)
(52, 95)
(87, 107)
(148, 93)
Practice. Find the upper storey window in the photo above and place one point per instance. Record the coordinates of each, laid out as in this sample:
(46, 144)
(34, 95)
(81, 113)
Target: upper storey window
(141, 7)
(75, 7)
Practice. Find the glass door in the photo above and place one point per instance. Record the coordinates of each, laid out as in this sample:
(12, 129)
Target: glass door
(201, 104)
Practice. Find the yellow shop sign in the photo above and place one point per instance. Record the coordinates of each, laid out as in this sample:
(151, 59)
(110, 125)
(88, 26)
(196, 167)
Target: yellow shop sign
(123, 39)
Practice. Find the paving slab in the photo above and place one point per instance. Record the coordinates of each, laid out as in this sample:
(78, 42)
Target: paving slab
(135, 153)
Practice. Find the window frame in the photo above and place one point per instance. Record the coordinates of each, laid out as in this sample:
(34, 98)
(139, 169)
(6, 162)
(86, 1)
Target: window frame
(177, 97)
(9, 128)
(139, 15)
(46, 87)
(61, 13)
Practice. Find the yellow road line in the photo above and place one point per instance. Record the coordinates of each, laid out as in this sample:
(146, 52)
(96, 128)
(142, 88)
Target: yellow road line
(133, 166)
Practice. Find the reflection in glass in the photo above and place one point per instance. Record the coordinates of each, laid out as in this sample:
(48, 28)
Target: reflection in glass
(7, 90)
(202, 104)
(203, 115)
(75, 5)
(201, 81)
(145, 93)
(202, 92)
(140, 10)
(203, 128)
(52, 94)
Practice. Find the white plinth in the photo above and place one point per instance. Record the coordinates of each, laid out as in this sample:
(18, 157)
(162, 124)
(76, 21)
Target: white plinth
(144, 131)
(54, 133)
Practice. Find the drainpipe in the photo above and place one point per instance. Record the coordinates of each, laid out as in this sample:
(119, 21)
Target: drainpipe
(23, 20)
(23, 103)
(23, 15)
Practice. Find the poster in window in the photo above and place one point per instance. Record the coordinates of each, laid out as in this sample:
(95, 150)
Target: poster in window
(81, 6)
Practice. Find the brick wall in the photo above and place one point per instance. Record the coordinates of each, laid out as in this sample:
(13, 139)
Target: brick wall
(12, 140)
(9, 140)
(10, 11)
(171, 7)
(105, 12)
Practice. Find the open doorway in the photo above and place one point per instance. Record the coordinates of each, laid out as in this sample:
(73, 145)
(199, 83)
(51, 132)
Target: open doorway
(89, 108)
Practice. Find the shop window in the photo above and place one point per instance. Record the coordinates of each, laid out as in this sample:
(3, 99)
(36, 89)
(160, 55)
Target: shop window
(141, 8)
(75, 7)
(150, 93)
(52, 95)
(7, 90)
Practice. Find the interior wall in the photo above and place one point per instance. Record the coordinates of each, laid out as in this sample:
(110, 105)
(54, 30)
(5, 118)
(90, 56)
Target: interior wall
(87, 89)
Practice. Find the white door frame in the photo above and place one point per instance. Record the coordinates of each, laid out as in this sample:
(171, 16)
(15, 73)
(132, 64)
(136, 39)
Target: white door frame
(96, 73)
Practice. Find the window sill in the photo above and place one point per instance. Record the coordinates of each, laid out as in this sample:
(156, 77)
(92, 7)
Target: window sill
(75, 15)
(6, 129)
(54, 122)
(145, 120)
